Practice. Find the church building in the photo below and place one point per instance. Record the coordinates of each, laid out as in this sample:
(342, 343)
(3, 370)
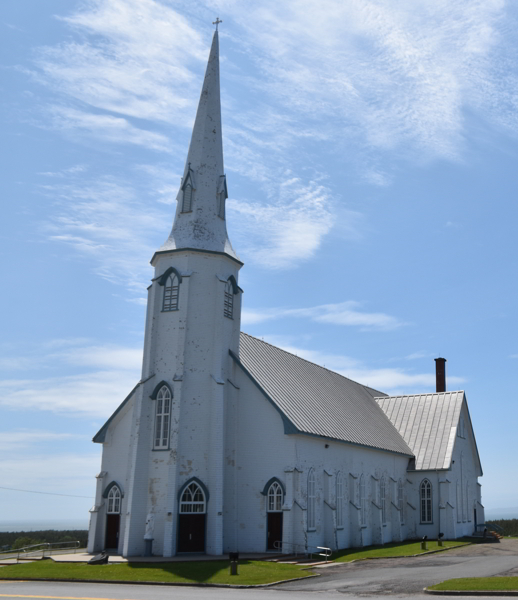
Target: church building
(228, 443)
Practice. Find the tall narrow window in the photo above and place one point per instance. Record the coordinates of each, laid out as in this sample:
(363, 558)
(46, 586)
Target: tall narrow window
(383, 500)
(221, 207)
(192, 500)
(312, 500)
(171, 290)
(114, 501)
(459, 503)
(228, 309)
(363, 501)
(275, 498)
(187, 198)
(400, 501)
(162, 418)
(339, 501)
(425, 493)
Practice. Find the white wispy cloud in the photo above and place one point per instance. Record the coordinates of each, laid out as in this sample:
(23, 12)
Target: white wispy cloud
(387, 380)
(99, 376)
(24, 438)
(343, 313)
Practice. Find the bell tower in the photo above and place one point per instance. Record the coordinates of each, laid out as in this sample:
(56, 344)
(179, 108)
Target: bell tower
(193, 319)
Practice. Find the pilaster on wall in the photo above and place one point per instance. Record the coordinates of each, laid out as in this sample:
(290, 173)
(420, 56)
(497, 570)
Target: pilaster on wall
(216, 474)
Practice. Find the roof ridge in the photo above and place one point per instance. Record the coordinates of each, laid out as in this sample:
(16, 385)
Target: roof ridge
(419, 395)
(314, 363)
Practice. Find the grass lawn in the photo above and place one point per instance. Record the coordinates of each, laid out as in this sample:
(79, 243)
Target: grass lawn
(395, 549)
(478, 583)
(250, 572)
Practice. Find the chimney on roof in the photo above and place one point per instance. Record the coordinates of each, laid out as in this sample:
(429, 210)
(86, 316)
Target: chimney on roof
(440, 374)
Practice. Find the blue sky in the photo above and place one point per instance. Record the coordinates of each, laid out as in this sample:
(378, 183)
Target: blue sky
(370, 151)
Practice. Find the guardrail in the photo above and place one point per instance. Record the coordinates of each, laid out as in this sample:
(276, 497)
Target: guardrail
(41, 550)
(304, 549)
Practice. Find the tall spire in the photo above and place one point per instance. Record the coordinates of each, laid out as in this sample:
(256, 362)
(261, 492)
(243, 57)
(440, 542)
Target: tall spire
(200, 214)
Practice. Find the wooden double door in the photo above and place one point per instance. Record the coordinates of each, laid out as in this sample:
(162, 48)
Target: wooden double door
(274, 526)
(191, 532)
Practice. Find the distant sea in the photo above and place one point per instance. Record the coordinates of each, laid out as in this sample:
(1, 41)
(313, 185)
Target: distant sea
(501, 513)
(59, 525)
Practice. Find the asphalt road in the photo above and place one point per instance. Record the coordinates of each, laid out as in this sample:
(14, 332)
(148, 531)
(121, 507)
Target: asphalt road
(402, 577)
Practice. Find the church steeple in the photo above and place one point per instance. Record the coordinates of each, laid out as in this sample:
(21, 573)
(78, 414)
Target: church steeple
(200, 214)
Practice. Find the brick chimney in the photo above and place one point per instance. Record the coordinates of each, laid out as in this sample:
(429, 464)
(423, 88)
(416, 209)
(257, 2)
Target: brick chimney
(440, 374)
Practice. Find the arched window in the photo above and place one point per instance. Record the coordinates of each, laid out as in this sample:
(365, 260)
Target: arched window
(228, 310)
(162, 418)
(339, 500)
(193, 500)
(312, 500)
(114, 501)
(459, 503)
(363, 501)
(171, 289)
(425, 495)
(400, 501)
(187, 197)
(275, 497)
(383, 500)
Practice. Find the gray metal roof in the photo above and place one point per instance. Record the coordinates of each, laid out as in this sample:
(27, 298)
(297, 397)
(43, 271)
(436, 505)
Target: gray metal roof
(428, 424)
(317, 401)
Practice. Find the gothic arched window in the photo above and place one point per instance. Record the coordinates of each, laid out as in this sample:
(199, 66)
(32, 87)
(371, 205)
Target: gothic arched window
(425, 497)
(383, 500)
(339, 500)
(162, 418)
(400, 501)
(171, 290)
(114, 501)
(275, 497)
(312, 500)
(228, 309)
(193, 500)
(363, 501)
(187, 198)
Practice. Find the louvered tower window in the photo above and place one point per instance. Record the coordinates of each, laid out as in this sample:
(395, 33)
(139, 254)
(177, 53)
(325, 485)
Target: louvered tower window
(228, 309)
(162, 418)
(171, 290)
(187, 198)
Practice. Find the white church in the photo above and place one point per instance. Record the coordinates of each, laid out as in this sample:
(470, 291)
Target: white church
(228, 443)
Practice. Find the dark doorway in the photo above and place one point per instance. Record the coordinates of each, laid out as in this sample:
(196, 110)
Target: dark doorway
(274, 529)
(112, 531)
(191, 533)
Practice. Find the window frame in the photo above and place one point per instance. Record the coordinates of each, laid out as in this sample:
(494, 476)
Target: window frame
(339, 501)
(426, 502)
(192, 488)
(161, 431)
(171, 296)
(312, 500)
(228, 306)
(114, 501)
(275, 494)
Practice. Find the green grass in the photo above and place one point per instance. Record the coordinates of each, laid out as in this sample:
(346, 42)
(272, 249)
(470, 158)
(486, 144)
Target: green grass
(388, 550)
(250, 572)
(478, 583)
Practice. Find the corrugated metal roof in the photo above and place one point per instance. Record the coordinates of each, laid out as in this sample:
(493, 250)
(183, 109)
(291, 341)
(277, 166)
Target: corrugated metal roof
(318, 401)
(427, 423)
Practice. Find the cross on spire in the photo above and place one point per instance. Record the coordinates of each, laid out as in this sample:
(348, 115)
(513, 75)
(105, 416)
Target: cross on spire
(217, 22)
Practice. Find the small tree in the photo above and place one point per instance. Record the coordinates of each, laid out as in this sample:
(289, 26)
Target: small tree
(24, 541)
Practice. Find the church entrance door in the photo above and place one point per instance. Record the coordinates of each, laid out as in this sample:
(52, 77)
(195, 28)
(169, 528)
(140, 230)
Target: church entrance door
(191, 533)
(191, 520)
(274, 530)
(274, 517)
(112, 531)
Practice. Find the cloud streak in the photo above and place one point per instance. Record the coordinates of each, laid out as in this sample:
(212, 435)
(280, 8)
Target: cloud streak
(343, 313)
